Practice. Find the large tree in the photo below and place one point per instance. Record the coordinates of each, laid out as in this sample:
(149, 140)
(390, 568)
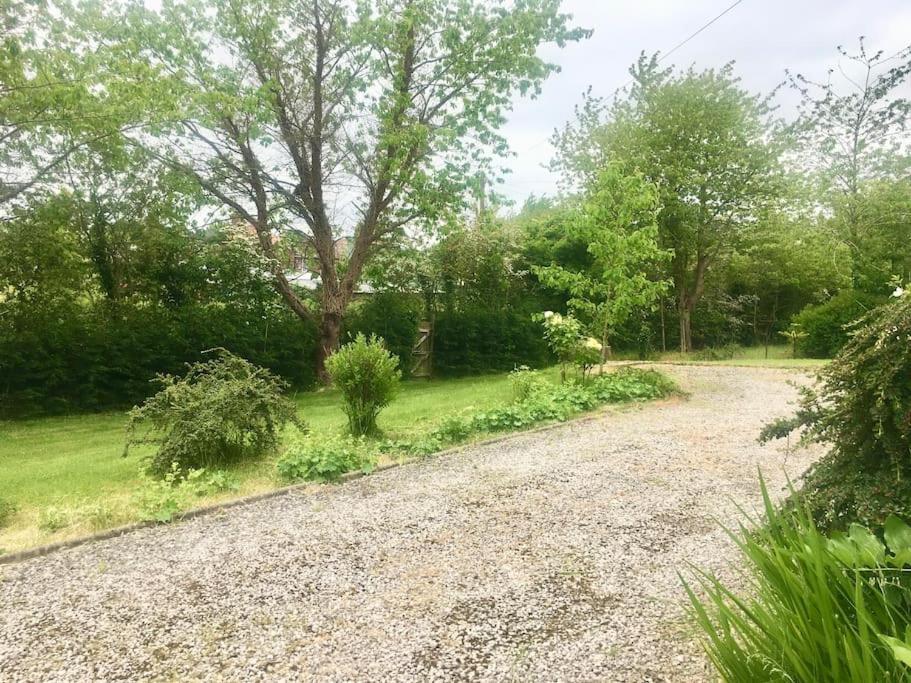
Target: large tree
(53, 102)
(852, 129)
(703, 141)
(330, 118)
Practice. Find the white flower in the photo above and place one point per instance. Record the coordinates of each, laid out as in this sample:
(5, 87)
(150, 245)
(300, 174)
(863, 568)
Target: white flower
(899, 291)
(548, 315)
(593, 343)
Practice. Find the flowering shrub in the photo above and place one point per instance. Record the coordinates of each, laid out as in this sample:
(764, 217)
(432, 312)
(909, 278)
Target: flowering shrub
(564, 336)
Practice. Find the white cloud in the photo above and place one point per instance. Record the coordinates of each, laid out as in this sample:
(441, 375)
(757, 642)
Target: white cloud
(764, 37)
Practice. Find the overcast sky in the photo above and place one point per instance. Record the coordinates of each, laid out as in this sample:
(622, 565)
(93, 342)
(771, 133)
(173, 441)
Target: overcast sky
(763, 37)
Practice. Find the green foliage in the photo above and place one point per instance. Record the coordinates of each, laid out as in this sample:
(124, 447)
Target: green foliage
(368, 377)
(65, 346)
(564, 336)
(549, 403)
(618, 222)
(817, 609)
(477, 340)
(162, 499)
(828, 325)
(525, 382)
(391, 316)
(222, 411)
(703, 141)
(861, 409)
(325, 459)
(54, 518)
(453, 429)
(7, 510)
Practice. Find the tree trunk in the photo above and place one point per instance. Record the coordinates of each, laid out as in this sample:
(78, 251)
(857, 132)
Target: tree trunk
(330, 326)
(686, 338)
(663, 332)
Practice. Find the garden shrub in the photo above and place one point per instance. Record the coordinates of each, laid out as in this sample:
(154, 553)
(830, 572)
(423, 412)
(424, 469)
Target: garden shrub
(473, 341)
(162, 499)
(368, 377)
(222, 411)
(862, 408)
(563, 335)
(525, 383)
(325, 460)
(391, 316)
(818, 609)
(828, 325)
(453, 428)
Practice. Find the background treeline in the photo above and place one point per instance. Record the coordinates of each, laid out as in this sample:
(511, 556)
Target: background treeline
(117, 264)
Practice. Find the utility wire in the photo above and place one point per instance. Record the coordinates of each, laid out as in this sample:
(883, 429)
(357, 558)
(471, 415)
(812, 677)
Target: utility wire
(664, 55)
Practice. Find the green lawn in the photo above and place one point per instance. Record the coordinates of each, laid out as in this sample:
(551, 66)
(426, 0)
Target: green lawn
(779, 356)
(71, 463)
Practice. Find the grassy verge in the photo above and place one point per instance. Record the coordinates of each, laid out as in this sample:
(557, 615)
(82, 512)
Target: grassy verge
(66, 476)
(778, 356)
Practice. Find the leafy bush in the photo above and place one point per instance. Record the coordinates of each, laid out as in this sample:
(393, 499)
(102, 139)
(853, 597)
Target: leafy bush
(862, 407)
(391, 316)
(161, 500)
(828, 326)
(818, 609)
(222, 411)
(325, 460)
(525, 383)
(564, 338)
(7, 510)
(453, 429)
(468, 342)
(368, 377)
(631, 384)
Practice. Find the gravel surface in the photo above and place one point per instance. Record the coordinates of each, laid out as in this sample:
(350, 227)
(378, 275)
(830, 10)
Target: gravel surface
(547, 557)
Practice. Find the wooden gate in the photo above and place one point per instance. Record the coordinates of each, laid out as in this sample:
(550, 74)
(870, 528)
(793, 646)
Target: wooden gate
(422, 352)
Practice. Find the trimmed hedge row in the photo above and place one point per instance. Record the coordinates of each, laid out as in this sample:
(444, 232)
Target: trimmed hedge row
(476, 341)
(104, 357)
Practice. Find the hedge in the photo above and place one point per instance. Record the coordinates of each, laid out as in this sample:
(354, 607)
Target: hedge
(825, 324)
(104, 357)
(476, 341)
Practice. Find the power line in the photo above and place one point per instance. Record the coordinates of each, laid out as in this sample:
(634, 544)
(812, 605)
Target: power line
(665, 55)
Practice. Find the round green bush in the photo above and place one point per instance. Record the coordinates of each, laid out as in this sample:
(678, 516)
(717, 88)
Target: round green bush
(368, 377)
(828, 325)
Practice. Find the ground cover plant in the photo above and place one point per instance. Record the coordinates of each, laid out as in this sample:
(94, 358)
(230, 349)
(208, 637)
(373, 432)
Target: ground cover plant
(810, 608)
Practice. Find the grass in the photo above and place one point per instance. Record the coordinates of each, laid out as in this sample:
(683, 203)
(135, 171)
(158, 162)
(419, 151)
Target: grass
(73, 465)
(777, 356)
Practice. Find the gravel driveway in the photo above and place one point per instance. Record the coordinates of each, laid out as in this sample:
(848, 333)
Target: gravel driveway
(547, 557)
